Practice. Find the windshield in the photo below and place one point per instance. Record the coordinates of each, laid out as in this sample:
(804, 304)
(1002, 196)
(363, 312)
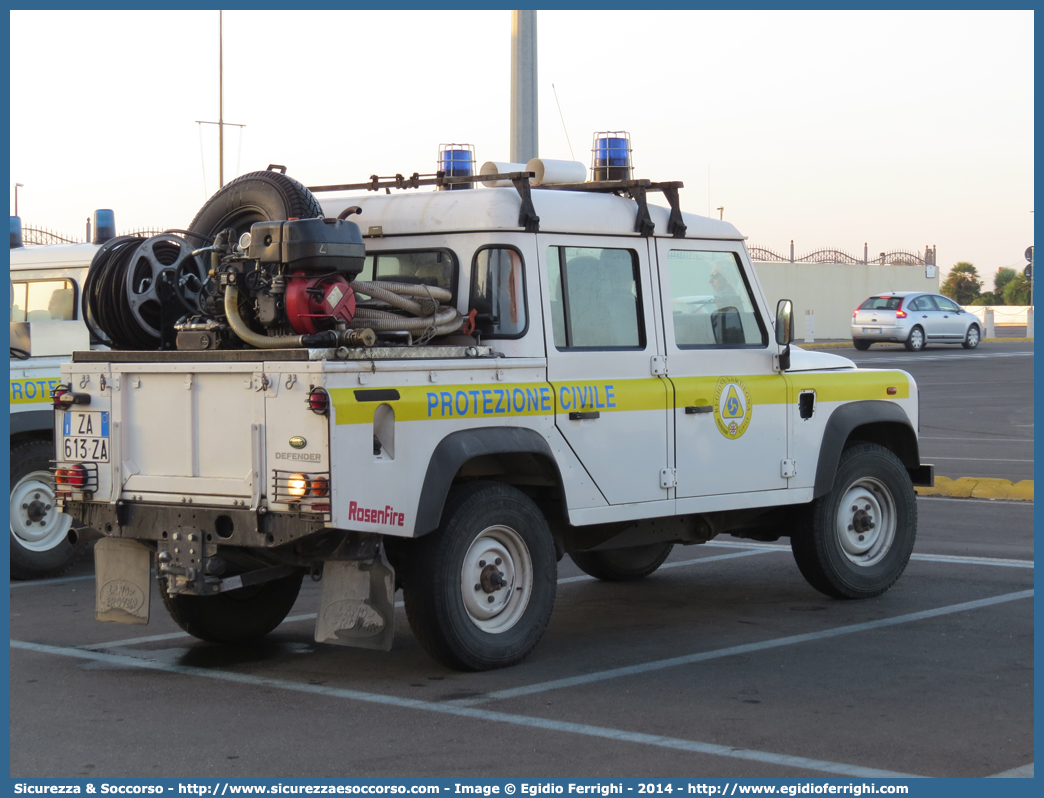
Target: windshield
(882, 303)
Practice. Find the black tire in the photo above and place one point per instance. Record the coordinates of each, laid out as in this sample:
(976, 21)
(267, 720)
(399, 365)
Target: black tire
(43, 541)
(622, 565)
(862, 346)
(915, 341)
(254, 197)
(481, 520)
(859, 562)
(238, 616)
(972, 337)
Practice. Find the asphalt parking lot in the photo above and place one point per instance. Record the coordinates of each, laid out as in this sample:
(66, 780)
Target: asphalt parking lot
(724, 663)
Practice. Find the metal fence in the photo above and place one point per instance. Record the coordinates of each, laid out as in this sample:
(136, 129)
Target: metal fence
(39, 236)
(896, 257)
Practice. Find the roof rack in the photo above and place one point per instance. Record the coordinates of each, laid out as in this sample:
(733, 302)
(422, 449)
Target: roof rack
(527, 217)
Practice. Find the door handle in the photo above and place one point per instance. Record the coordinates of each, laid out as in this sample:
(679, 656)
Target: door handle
(579, 416)
(693, 410)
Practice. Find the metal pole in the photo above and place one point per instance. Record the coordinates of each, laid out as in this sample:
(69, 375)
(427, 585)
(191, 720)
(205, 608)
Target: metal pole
(523, 86)
(17, 186)
(221, 103)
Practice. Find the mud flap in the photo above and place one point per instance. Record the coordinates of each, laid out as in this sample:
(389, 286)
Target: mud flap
(122, 581)
(357, 607)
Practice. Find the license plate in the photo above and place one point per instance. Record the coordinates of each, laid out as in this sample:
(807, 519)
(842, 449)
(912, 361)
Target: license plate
(85, 436)
(871, 331)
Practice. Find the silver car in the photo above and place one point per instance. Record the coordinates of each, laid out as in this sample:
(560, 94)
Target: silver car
(914, 319)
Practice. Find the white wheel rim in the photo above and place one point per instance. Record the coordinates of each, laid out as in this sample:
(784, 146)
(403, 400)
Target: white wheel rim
(916, 339)
(866, 522)
(35, 521)
(973, 336)
(496, 579)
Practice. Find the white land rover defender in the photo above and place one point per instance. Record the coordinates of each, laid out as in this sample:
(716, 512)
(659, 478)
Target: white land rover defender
(448, 396)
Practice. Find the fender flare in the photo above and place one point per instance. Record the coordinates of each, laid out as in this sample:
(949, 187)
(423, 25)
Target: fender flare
(456, 449)
(848, 418)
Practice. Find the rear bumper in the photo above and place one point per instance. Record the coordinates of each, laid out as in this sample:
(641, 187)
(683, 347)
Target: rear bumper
(886, 334)
(223, 526)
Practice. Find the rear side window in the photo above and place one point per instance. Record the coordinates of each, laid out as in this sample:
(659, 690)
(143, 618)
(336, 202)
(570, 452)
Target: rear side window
(882, 303)
(43, 300)
(498, 293)
(436, 267)
(595, 298)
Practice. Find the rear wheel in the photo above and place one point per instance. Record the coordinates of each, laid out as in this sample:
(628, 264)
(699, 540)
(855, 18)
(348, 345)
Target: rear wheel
(238, 616)
(858, 537)
(481, 588)
(43, 543)
(622, 565)
(971, 340)
(862, 346)
(915, 343)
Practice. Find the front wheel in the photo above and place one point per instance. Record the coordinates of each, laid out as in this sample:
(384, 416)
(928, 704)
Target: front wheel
(915, 343)
(858, 537)
(971, 340)
(862, 346)
(481, 588)
(622, 565)
(42, 541)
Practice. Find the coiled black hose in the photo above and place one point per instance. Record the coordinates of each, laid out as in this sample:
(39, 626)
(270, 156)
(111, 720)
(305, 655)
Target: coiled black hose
(104, 301)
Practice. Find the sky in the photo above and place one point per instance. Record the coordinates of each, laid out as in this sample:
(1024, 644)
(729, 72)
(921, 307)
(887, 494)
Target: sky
(899, 129)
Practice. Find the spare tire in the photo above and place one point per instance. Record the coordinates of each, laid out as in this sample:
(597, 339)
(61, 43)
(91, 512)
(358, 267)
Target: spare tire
(254, 197)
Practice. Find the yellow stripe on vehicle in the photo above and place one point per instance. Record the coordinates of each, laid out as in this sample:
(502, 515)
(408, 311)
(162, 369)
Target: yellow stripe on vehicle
(764, 389)
(424, 403)
(851, 386)
(25, 392)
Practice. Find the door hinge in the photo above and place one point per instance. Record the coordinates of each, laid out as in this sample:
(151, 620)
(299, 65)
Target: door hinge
(659, 365)
(788, 468)
(668, 477)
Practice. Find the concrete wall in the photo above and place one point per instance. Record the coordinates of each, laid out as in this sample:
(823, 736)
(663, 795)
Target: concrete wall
(833, 290)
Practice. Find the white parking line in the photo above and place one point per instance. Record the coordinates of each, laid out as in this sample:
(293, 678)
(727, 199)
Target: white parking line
(444, 708)
(1024, 772)
(703, 656)
(61, 580)
(918, 358)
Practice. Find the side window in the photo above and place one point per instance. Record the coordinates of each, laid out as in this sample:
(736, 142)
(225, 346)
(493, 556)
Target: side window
(922, 303)
(43, 300)
(711, 302)
(437, 267)
(595, 298)
(498, 293)
(946, 304)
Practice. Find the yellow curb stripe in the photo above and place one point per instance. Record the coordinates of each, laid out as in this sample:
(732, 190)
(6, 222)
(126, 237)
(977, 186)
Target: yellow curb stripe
(980, 488)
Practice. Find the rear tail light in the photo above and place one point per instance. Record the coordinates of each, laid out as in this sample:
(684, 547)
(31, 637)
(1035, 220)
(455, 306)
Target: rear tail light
(319, 401)
(855, 313)
(900, 314)
(62, 397)
(75, 476)
(319, 486)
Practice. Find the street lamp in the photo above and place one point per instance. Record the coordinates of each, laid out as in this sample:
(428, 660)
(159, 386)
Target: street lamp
(17, 186)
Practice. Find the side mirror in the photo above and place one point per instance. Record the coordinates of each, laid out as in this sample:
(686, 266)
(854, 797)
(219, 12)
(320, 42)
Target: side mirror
(784, 322)
(784, 331)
